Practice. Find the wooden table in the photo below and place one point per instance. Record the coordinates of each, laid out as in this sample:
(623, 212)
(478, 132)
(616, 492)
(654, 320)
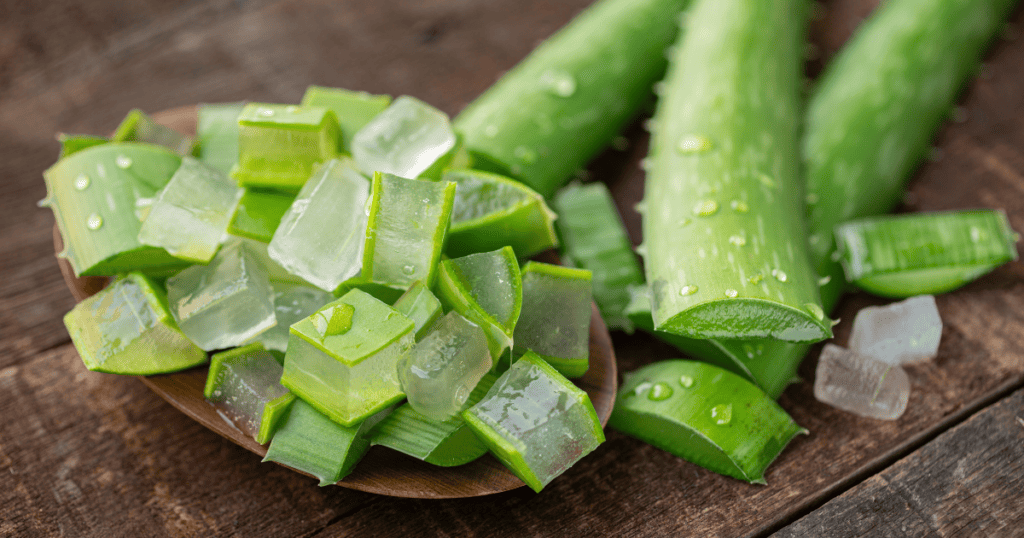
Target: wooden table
(87, 454)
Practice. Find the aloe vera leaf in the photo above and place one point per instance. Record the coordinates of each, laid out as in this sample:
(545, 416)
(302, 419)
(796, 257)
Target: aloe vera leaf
(419, 305)
(706, 415)
(280, 146)
(535, 421)
(406, 229)
(138, 127)
(555, 319)
(554, 111)
(71, 144)
(594, 238)
(349, 374)
(902, 256)
(725, 252)
(491, 211)
(127, 328)
(353, 109)
(445, 443)
(95, 194)
(217, 132)
(259, 213)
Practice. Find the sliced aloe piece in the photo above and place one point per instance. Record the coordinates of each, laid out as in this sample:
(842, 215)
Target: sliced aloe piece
(924, 253)
(535, 421)
(492, 211)
(259, 213)
(217, 131)
(138, 127)
(127, 328)
(555, 319)
(70, 144)
(409, 139)
(353, 109)
(274, 414)
(705, 415)
(241, 383)
(419, 305)
(95, 195)
(487, 289)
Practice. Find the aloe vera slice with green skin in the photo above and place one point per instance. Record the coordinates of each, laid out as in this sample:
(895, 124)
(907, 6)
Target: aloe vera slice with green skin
(217, 131)
(279, 146)
(348, 370)
(555, 318)
(491, 211)
(487, 289)
(127, 328)
(311, 442)
(555, 110)
(70, 144)
(406, 229)
(902, 256)
(138, 127)
(241, 383)
(259, 213)
(594, 238)
(535, 421)
(725, 252)
(353, 109)
(419, 305)
(705, 415)
(94, 195)
(409, 139)
(274, 414)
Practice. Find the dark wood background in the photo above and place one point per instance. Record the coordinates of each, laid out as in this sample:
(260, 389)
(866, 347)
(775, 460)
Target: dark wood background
(87, 454)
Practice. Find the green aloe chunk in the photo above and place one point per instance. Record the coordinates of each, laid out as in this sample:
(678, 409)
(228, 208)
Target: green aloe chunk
(406, 229)
(902, 256)
(553, 112)
(491, 211)
(311, 442)
(594, 238)
(189, 215)
(445, 443)
(535, 421)
(487, 289)
(353, 109)
(70, 144)
(419, 305)
(217, 131)
(127, 328)
(241, 383)
(348, 370)
(274, 415)
(259, 213)
(408, 139)
(725, 249)
(96, 194)
(705, 415)
(138, 127)
(555, 318)
(279, 146)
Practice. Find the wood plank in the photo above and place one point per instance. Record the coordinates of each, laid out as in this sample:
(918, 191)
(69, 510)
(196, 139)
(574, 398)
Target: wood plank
(967, 482)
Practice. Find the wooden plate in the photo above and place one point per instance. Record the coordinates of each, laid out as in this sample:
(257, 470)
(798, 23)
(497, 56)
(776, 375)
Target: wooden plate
(382, 471)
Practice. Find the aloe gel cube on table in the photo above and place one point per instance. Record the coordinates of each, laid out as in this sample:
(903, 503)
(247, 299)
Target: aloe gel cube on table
(217, 131)
(138, 127)
(419, 305)
(899, 333)
(189, 216)
(860, 384)
(321, 237)
(352, 108)
(440, 371)
(280, 145)
(535, 421)
(292, 303)
(555, 318)
(94, 195)
(126, 329)
(241, 383)
(225, 303)
(409, 139)
(343, 358)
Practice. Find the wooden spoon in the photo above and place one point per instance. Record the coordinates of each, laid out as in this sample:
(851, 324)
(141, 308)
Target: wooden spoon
(382, 471)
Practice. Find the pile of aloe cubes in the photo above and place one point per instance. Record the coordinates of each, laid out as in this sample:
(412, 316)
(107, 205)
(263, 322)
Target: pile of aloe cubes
(351, 278)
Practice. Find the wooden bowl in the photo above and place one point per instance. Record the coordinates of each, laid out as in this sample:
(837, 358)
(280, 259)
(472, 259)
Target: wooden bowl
(382, 471)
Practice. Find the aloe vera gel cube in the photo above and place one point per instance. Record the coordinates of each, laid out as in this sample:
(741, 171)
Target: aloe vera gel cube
(536, 421)
(217, 130)
(292, 303)
(240, 384)
(555, 319)
(419, 305)
(899, 333)
(138, 127)
(353, 109)
(440, 371)
(321, 237)
(860, 384)
(223, 304)
(407, 139)
(189, 217)
(279, 145)
(126, 329)
(343, 358)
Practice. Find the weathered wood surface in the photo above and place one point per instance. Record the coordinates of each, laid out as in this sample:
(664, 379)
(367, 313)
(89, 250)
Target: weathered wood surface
(85, 454)
(967, 482)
